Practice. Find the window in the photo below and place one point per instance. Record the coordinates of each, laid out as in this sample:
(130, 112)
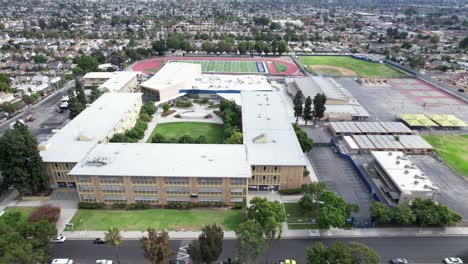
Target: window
(276, 168)
(62, 184)
(88, 197)
(275, 177)
(253, 168)
(253, 177)
(237, 181)
(113, 198)
(210, 181)
(264, 177)
(110, 179)
(144, 180)
(176, 180)
(145, 189)
(264, 168)
(83, 178)
(112, 188)
(85, 188)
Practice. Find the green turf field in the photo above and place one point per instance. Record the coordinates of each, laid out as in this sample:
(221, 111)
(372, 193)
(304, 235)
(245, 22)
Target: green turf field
(213, 132)
(331, 72)
(360, 67)
(453, 149)
(226, 66)
(160, 219)
(280, 67)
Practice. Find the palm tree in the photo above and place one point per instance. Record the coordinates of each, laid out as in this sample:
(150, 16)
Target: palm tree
(113, 238)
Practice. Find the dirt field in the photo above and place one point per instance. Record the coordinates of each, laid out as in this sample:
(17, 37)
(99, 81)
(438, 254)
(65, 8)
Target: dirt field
(343, 71)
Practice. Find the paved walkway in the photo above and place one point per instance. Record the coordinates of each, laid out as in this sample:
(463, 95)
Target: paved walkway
(288, 234)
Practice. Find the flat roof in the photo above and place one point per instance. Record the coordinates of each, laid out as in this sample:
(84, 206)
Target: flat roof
(310, 86)
(408, 142)
(350, 142)
(268, 133)
(403, 172)
(74, 141)
(174, 73)
(370, 127)
(115, 80)
(165, 160)
(220, 83)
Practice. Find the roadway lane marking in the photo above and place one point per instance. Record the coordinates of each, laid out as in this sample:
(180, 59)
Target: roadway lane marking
(182, 253)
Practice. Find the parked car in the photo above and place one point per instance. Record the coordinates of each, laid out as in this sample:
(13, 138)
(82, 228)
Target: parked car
(99, 241)
(103, 261)
(453, 260)
(62, 261)
(287, 261)
(399, 261)
(12, 125)
(59, 239)
(29, 118)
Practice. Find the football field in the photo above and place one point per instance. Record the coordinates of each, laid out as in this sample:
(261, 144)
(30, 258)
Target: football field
(226, 66)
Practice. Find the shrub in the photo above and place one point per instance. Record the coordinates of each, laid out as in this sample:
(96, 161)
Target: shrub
(208, 116)
(177, 116)
(138, 206)
(119, 205)
(88, 205)
(240, 205)
(306, 172)
(149, 108)
(46, 212)
(158, 138)
(145, 117)
(291, 191)
(166, 107)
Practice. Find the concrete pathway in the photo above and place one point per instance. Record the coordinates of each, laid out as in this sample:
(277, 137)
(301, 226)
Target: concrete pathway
(151, 126)
(289, 234)
(7, 199)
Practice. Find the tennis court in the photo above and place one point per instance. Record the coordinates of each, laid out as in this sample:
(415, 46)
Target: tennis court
(227, 66)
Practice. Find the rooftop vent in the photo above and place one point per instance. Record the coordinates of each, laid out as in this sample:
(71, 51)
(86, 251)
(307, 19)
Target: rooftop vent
(97, 162)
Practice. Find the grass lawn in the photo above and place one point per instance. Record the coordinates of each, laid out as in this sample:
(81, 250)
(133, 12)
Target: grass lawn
(226, 66)
(158, 218)
(453, 149)
(360, 67)
(213, 132)
(298, 218)
(331, 72)
(26, 211)
(280, 67)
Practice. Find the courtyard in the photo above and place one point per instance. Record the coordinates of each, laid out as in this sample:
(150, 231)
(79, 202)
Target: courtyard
(211, 131)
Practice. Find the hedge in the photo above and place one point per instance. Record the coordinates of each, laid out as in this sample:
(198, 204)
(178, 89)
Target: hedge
(89, 205)
(291, 191)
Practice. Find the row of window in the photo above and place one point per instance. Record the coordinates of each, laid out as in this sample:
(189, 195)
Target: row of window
(264, 177)
(265, 168)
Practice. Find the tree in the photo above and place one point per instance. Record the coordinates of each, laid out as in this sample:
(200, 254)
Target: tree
(427, 212)
(282, 47)
(297, 105)
(380, 213)
(149, 108)
(20, 162)
(315, 189)
(334, 210)
(209, 245)
(46, 212)
(308, 109)
(270, 216)
(5, 87)
(156, 246)
(159, 46)
(79, 92)
(235, 138)
(113, 238)
(304, 140)
(87, 63)
(306, 202)
(10, 108)
(463, 44)
(362, 254)
(75, 107)
(5, 78)
(95, 94)
(338, 252)
(317, 254)
(166, 107)
(250, 241)
(402, 215)
(319, 106)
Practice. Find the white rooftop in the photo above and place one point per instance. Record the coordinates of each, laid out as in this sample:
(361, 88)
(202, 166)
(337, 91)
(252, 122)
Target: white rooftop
(268, 133)
(116, 80)
(227, 83)
(403, 172)
(74, 141)
(173, 73)
(165, 160)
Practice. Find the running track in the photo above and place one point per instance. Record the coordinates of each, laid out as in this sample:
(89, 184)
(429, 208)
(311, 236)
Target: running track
(151, 66)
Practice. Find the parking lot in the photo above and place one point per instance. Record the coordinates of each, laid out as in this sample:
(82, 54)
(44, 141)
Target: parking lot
(386, 103)
(453, 187)
(340, 177)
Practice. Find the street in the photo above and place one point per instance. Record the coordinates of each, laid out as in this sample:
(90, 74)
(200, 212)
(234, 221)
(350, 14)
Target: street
(415, 249)
(44, 113)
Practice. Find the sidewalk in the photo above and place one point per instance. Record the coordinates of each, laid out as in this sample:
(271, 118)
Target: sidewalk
(290, 234)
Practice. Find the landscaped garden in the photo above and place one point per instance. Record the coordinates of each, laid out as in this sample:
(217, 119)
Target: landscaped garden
(25, 211)
(212, 132)
(453, 150)
(298, 218)
(158, 218)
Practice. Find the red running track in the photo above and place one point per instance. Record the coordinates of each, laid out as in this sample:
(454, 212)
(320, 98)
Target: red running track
(151, 66)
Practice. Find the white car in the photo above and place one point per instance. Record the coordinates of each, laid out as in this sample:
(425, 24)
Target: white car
(59, 239)
(453, 260)
(62, 261)
(103, 261)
